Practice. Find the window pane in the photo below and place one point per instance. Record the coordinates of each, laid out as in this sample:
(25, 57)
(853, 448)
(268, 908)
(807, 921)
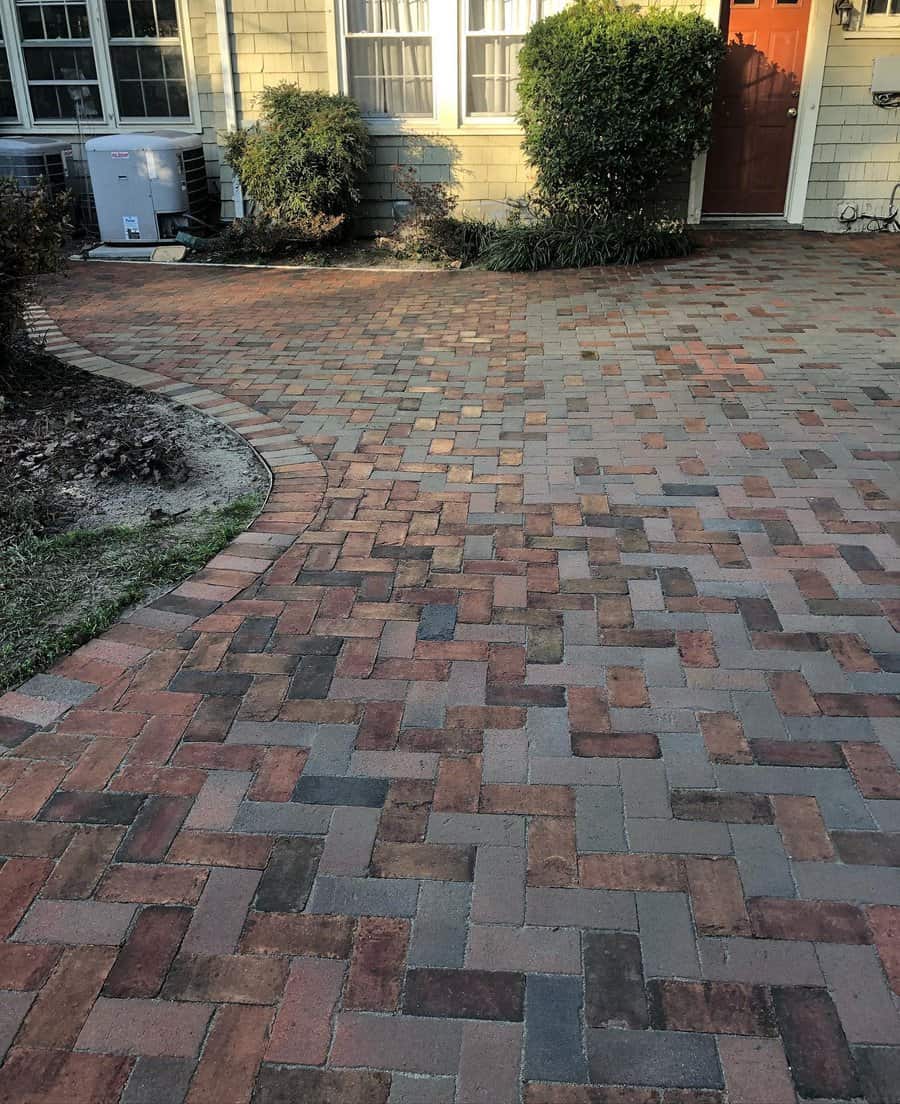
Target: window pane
(38, 63)
(378, 16)
(31, 22)
(144, 19)
(130, 100)
(147, 61)
(391, 76)
(78, 21)
(156, 99)
(499, 15)
(7, 99)
(55, 21)
(167, 18)
(178, 100)
(895, 7)
(119, 18)
(173, 66)
(44, 102)
(493, 65)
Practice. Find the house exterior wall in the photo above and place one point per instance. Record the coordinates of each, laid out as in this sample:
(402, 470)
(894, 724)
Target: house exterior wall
(856, 156)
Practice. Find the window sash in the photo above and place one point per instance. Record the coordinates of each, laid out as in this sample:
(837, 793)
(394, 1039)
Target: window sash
(60, 96)
(401, 86)
(499, 84)
(140, 39)
(167, 87)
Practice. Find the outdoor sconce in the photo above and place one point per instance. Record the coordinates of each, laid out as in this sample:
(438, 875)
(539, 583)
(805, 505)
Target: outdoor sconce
(843, 9)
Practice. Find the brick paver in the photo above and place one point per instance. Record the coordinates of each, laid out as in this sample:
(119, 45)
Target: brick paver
(539, 743)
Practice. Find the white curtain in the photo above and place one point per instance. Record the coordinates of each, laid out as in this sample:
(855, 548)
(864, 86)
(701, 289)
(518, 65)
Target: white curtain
(493, 76)
(391, 76)
(379, 16)
(500, 15)
(493, 62)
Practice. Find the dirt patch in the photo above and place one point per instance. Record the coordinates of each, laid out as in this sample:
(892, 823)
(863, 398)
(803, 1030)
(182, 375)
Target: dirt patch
(108, 496)
(81, 452)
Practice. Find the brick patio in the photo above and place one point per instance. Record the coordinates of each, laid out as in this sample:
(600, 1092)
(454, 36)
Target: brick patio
(539, 743)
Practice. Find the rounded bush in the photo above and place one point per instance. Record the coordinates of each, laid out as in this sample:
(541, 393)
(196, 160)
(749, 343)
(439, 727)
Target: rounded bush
(33, 229)
(305, 158)
(615, 101)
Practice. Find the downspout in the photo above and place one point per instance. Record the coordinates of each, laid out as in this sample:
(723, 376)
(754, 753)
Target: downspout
(227, 68)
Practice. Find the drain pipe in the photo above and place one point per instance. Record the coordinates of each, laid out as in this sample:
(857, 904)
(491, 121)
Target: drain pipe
(227, 68)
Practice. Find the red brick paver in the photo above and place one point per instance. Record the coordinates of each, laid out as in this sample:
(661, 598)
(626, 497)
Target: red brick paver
(539, 740)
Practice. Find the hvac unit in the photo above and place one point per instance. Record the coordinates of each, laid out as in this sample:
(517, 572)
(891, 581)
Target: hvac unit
(30, 160)
(147, 187)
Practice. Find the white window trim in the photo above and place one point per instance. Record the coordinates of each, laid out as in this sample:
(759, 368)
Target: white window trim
(448, 32)
(101, 43)
(864, 25)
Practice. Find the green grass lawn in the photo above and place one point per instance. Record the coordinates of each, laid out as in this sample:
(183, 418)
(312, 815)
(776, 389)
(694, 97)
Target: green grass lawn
(58, 592)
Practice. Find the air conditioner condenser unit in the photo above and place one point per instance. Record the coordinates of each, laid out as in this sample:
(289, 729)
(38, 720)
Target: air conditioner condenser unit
(147, 187)
(34, 160)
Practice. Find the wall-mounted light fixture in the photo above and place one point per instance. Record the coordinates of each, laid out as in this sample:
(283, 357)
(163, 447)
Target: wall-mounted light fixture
(843, 9)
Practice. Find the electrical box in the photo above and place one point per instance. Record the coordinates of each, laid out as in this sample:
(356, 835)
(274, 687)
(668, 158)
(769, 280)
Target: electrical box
(147, 187)
(32, 160)
(886, 75)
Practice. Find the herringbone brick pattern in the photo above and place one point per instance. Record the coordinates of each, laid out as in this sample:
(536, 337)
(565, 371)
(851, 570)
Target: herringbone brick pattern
(539, 743)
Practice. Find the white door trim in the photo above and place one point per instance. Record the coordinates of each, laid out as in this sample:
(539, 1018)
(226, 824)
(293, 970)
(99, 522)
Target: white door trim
(807, 116)
(820, 17)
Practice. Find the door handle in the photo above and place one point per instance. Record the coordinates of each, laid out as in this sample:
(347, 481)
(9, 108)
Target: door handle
(792, 111)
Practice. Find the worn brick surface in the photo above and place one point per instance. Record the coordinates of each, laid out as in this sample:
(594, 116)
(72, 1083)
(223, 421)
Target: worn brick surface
(521, 750)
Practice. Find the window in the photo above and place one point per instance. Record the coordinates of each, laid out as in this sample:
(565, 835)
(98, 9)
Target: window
(147, 63)
(7, 99)
(389, 56)
(494, 33)
(389, 67)
(881, 13)
(60, 67)
(93, 63)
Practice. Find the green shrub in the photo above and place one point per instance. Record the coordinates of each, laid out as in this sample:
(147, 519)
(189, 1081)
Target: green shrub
(571, 240)
(614, 102)
(304, 159)
(33, 228)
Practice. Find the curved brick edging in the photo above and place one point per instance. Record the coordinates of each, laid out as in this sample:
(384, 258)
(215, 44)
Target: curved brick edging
(296, 492)
(279, 450)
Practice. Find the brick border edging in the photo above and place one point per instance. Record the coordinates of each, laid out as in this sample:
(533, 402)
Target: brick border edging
(283, 459)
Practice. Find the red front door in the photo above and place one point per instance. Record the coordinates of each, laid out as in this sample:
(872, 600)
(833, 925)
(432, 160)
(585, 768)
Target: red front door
(754, 114)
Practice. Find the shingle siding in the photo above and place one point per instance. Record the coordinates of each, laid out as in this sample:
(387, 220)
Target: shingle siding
(856, 156)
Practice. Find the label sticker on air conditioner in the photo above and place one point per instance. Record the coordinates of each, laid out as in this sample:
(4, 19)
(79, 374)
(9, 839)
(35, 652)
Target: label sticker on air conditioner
(131, 227)
(123, 154)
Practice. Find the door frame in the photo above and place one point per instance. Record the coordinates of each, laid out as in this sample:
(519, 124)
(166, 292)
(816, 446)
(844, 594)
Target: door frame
(807, 116)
